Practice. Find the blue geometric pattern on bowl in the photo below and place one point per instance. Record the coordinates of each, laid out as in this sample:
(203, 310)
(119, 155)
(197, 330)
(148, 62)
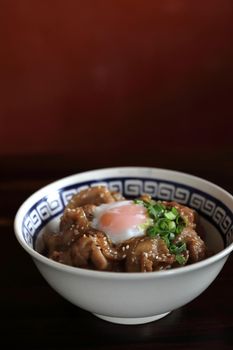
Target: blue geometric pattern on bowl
(206, 205)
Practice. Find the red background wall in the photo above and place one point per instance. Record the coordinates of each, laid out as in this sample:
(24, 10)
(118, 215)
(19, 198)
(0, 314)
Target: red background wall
(116, 78)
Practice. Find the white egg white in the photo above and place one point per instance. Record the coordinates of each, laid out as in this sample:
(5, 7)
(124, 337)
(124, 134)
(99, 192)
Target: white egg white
(134, 231)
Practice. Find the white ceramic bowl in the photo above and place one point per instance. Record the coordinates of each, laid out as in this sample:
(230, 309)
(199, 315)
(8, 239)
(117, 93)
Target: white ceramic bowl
(131, 298)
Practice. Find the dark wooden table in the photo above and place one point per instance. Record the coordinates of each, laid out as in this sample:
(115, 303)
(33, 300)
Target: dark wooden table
(34, 316)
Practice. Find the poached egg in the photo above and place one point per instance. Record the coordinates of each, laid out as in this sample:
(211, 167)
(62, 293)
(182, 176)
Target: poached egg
(121, 220)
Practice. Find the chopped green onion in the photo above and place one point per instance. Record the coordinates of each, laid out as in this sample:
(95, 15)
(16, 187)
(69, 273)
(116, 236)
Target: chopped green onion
(139, 201)
(171, 236)
(178, 248)
(175, 211)
(179, 229)
(151, 231)
(167, 241)
(180, 259)
(167, 223)
(169, 215)
(171, 226)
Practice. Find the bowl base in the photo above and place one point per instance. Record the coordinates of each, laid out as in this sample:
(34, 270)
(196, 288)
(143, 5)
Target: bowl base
(132, 320)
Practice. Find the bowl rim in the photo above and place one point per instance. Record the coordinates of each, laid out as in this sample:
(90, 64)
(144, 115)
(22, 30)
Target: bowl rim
(224, 253)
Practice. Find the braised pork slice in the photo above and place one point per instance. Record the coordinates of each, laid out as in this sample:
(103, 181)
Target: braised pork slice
(94, 248)
(93, 195)
(189, 215)
(78, 218)
(73, 223)
(148, 254)
(195, 245)
(85, 251)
